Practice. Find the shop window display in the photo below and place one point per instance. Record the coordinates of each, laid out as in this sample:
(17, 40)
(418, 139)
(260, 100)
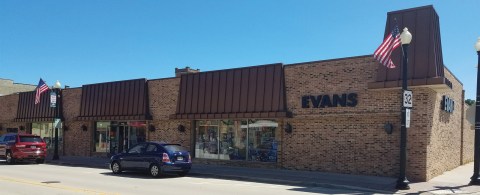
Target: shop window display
(207, 140)
(262, 145)
(101, 144)
(114, 136)
(228, 140)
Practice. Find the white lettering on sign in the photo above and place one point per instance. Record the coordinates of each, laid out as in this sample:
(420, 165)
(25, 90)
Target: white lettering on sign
(448, 104)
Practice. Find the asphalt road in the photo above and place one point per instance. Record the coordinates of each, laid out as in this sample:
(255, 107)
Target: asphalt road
(52, 179)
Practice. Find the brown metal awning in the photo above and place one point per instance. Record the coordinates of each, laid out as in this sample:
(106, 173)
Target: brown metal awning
(120, 100)
(251, 92)
(425, 60)
(28, 111)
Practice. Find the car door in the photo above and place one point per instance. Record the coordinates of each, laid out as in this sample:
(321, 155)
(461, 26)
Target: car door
(132, 159)
(151, 155)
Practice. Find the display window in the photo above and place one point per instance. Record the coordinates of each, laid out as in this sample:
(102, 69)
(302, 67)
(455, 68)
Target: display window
(115, 137)
(46, 132)
(252, 140)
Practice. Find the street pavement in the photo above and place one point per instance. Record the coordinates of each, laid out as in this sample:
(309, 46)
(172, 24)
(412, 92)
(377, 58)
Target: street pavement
(451, 182)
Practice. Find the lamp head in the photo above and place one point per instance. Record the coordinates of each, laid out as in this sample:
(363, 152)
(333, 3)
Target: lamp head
(57, 85)
(477, 45)
(405, 37)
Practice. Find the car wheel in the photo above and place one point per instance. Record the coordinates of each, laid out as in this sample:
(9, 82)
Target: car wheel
(10, 159)
(183, 173)
(154, 170)
(116, 168)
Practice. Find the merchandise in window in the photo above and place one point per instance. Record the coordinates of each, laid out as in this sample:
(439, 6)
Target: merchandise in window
(252, 140)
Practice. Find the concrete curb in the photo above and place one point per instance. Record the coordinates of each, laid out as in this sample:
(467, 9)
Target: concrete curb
(246, 178)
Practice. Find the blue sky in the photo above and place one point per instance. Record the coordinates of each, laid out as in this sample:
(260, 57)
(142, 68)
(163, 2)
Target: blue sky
(85, 42)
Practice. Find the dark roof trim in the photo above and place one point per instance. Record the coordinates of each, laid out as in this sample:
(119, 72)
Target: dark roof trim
(27, 110)
(35, 119)
(115, 99)
(99, 118)
(255, 115)
(256, 91)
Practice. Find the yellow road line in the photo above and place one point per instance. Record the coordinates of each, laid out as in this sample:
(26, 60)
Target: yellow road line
(55, 185)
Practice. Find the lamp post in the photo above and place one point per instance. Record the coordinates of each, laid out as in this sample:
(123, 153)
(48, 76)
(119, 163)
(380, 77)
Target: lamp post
(57, 117)
(475, 180)
(402, 182)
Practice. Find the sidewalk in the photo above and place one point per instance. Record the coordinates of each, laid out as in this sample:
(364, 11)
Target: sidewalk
(452, 182)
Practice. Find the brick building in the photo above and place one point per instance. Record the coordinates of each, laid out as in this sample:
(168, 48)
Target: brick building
(7, 86)
(339, 115)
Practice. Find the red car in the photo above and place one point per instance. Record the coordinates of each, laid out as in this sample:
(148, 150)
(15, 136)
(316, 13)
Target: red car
(22, 147)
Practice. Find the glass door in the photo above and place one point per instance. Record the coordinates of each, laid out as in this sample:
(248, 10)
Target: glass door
(122, 135)
(118, 138)
(112, 139)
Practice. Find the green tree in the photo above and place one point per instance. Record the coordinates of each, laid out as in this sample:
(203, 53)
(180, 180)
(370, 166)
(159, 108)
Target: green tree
(470, 102)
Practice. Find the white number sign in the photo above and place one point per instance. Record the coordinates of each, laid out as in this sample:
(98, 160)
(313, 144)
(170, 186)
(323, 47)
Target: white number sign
(407, 99)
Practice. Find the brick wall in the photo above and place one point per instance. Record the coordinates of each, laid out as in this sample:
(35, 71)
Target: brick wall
(468, 134)
(444, 139)
(8, 108)
(8, 87)
(163, 94)
(77, 142)
(8, 113)
(352, 139)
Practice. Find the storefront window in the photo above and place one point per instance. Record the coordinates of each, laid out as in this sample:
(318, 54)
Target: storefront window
(262, 145)
(232, 140)
(114, 136)
(101, 144)
(228, 140)
(207, 140)
(46, 132)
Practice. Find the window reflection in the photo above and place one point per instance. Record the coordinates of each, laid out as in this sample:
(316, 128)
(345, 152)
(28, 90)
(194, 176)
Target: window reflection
(253, 140)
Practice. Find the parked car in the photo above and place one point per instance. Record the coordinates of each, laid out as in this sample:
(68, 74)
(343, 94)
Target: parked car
(22, 147)
(154, 157)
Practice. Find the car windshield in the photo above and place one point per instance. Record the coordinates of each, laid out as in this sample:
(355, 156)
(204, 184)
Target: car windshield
(30, 139)
(174, 148)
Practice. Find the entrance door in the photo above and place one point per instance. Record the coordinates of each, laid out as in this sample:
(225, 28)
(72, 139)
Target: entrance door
(118, 138)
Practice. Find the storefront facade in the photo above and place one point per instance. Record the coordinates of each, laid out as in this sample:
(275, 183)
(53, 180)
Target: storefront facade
(339, 115)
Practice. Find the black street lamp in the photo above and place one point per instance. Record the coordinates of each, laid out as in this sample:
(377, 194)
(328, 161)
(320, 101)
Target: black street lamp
(402, 182)
(56, 87)
(475, 180)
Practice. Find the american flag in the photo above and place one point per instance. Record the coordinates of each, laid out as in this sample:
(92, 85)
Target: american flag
(383, 52)
(41, 87)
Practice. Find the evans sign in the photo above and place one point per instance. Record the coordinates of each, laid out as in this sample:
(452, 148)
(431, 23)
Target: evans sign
(322, 101)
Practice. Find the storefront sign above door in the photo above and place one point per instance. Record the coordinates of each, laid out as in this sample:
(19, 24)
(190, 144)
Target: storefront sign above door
(322, 101)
